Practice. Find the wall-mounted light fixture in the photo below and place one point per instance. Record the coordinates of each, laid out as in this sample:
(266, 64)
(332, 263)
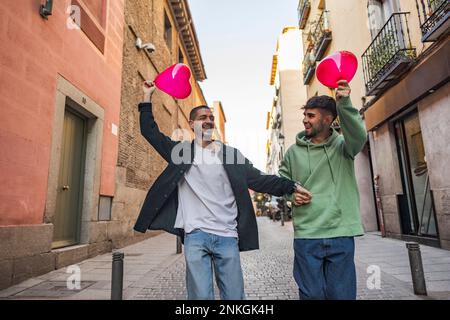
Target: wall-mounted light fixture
(46, 9)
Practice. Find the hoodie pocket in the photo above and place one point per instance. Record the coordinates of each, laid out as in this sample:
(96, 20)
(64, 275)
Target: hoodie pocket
(322, 212)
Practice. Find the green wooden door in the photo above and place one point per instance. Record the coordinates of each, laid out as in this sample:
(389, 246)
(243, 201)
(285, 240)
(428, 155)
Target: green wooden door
(70, 183)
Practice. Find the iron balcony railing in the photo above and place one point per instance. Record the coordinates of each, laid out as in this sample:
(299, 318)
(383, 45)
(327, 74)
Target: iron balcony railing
(304, 7)
(389, 54)
(434, 18)
(321, 35)
(309, 66)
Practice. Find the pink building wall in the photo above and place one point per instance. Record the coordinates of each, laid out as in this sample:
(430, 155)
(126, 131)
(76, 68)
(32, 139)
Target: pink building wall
(33, 52)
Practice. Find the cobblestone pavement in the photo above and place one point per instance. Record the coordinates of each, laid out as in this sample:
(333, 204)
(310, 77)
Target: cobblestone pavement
(268, 272)
(154, 271)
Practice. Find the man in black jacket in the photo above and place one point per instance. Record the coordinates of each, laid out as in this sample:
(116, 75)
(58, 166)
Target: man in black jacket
(202, 196)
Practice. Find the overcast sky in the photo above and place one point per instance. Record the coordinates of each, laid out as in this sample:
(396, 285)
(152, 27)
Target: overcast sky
(237, 40)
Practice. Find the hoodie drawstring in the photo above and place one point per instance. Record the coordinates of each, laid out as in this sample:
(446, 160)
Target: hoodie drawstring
(329, 163)
(309, 161)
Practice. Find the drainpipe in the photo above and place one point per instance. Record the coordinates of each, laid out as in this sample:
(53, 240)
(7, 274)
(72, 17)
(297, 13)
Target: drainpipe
(379, 204)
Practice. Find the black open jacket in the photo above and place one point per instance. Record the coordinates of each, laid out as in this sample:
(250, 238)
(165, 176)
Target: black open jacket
(159, 209)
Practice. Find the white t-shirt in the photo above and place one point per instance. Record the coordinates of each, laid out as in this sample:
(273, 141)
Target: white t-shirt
(205, 198)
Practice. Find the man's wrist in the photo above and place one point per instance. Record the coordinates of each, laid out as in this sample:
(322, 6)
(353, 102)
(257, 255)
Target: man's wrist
(296, 186)
(343, 100)
(147, 97)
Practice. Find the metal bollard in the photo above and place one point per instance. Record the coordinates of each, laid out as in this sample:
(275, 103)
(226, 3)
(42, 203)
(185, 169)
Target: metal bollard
(117, 276)
(179, 249)
(415, 262)
(282, 218)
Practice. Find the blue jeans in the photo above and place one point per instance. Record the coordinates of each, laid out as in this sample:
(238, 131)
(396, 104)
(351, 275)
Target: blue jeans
(324, 269)
(205, 252)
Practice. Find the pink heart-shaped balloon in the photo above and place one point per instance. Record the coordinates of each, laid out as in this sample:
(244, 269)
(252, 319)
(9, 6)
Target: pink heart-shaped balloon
(175, 81)
(341, 65)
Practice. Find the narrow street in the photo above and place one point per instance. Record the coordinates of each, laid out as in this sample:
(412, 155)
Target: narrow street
(107, 106)
(154, 271)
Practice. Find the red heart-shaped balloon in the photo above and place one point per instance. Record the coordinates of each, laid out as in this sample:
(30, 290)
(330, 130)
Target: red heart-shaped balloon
(341, 65)
(175, 81)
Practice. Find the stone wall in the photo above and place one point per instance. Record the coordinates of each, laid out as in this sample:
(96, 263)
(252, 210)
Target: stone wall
(434, 121)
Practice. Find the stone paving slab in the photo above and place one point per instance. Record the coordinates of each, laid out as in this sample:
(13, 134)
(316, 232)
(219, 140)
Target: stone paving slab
(395, 261)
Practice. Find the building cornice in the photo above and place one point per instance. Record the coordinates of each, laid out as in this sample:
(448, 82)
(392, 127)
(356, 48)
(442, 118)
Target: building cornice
(181, 12)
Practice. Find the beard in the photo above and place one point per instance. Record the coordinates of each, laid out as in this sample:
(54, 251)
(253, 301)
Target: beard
(314, 130)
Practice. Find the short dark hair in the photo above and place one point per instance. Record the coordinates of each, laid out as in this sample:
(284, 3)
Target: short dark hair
(193, 112)
(322, 102)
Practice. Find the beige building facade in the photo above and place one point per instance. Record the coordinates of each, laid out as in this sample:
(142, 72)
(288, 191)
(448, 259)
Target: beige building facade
(406, 69)
(401, 89)
(220, 120)
(285, 118)
(330, 26)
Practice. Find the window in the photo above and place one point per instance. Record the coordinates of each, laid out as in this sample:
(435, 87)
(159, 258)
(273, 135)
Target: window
(104, 208)
(167, 31)
(93, 20)
(379, 13)
(97, 9)
(180, 56)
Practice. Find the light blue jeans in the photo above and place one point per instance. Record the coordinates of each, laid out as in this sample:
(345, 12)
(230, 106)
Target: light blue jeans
(205, 252)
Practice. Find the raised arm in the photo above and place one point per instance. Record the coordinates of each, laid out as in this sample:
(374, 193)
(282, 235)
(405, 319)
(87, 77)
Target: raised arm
(149, 128)
(352, 125)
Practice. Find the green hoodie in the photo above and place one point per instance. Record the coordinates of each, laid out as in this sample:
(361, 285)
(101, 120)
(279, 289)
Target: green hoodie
(328, 172)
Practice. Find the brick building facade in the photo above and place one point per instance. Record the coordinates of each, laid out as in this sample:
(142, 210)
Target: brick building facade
(158, 22)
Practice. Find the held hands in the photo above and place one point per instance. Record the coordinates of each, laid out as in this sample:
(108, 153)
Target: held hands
(343, 89)
(301, 196)
(149, 88)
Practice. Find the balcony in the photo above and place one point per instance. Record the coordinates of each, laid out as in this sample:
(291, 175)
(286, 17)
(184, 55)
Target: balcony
(389, 55)
(434, 18)
(309, 66)
(304, 8)
(321, 35)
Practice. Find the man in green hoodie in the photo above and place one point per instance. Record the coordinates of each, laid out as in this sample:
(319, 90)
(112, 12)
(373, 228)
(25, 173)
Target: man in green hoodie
(326, 222)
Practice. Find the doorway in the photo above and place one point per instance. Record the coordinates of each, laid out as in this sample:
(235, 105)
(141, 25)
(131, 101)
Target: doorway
(67, 219)
(416, 205)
